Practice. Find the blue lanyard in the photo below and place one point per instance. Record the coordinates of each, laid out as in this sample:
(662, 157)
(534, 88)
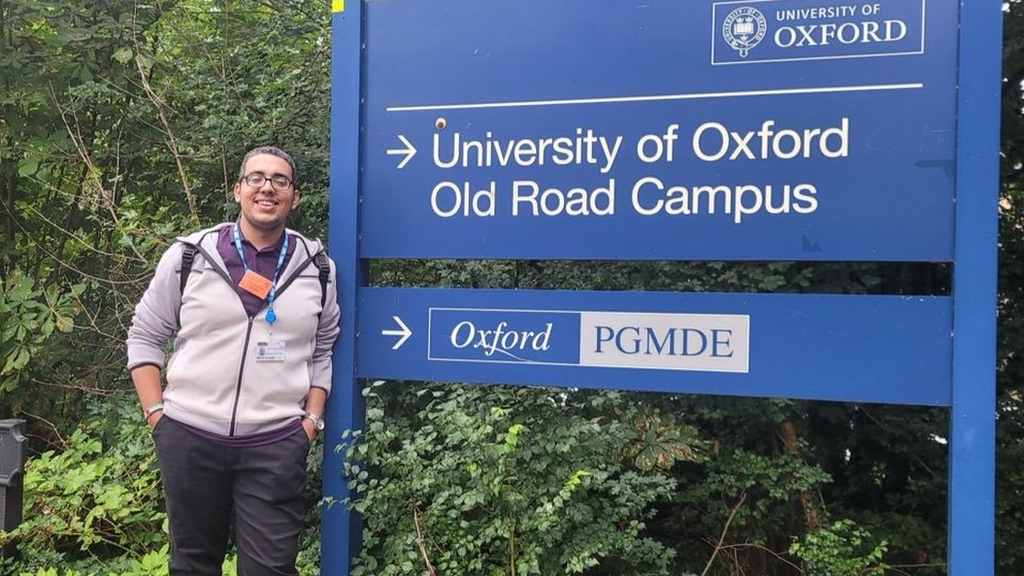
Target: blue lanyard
(271, 315)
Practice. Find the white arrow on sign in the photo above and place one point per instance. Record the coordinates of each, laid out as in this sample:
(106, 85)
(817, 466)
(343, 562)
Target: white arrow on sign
(409, 151)
(404, 333)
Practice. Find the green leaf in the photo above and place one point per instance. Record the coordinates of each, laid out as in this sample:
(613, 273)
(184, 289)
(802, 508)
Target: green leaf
(16, 360)
(124, 55)
(28, 167)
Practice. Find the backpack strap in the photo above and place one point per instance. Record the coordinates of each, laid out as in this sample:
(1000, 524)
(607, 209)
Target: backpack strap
(325, 273)
(187, 256)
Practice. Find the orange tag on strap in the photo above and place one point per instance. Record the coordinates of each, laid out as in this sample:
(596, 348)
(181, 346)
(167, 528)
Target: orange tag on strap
(255, 284)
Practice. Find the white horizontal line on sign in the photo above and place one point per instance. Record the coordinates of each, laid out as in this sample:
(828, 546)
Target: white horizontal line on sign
(660, 98)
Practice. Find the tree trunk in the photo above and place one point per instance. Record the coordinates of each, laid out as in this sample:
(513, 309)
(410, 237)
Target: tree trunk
(812, 515)
(8, 181)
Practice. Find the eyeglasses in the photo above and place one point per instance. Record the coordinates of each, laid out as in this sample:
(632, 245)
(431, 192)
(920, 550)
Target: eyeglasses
(257, 180)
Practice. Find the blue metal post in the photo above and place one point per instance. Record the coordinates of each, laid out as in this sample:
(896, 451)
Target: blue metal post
(342, 532)
(972, 439)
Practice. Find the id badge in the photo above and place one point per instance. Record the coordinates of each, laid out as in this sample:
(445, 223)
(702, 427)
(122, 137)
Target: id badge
(255, 284)
(270, 351)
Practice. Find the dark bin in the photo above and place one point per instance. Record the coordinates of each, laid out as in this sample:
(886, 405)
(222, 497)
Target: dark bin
(13, 453)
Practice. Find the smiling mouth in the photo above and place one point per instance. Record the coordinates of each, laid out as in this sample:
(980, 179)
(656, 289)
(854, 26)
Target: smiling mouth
(266, 203)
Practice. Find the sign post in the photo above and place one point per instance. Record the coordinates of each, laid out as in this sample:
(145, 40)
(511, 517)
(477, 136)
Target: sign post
(342, 532)
(972, 429)
(794, 130)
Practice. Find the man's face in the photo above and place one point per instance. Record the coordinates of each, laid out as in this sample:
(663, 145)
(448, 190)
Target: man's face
(266, 207)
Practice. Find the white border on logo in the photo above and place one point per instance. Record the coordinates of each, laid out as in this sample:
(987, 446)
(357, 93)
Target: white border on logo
(714, 38)
(432, 358)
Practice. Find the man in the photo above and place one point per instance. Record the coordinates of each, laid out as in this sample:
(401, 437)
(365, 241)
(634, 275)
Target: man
(255, 314)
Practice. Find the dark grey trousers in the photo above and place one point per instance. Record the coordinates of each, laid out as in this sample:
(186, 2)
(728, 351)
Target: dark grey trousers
(207, 484)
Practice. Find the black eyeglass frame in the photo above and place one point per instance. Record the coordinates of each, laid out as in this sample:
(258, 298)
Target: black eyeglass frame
(279, 183)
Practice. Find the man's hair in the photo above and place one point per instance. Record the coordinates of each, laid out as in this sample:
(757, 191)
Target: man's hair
(273, 151)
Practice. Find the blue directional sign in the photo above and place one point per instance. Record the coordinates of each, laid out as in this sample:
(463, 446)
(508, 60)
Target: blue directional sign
(816, 130)
(667, 129)
(866, 348)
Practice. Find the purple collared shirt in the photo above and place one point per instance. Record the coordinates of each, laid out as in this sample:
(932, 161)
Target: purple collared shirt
(250, 440)
(261, 262)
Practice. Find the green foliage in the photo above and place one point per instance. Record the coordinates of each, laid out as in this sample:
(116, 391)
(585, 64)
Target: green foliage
(150, 564)
(95, 507)
(99, 495)
(767, 481)
(662, 441)
(121, 126)
(842, 549)
(32, 314)
(477, 480)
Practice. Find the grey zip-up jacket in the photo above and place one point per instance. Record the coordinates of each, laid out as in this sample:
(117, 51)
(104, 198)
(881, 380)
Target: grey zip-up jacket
(214, 381)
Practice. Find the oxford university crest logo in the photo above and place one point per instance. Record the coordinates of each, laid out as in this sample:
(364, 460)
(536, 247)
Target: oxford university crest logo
(743, 29)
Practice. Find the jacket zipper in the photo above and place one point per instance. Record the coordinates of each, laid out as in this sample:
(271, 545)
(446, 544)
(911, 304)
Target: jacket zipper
(241, 371)
(248, 331)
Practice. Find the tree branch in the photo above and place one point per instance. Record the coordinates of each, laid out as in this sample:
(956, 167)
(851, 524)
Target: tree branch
(419, 541)
(725, 530)
(172, 142)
